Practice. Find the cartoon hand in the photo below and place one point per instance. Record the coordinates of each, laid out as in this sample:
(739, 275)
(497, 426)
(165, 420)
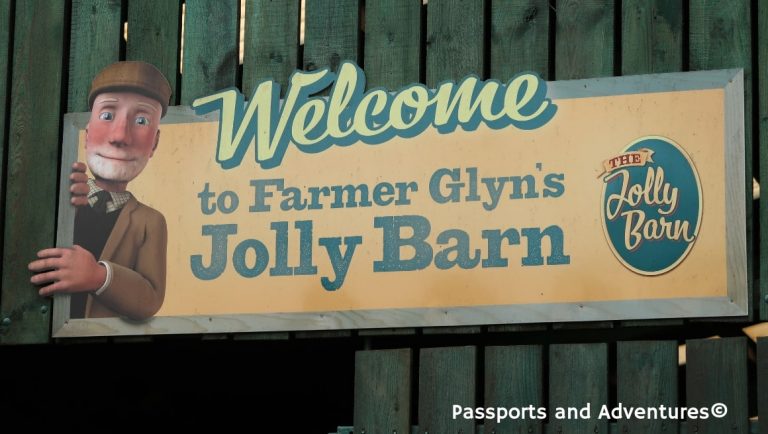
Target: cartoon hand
(68, 270)
(79, 187)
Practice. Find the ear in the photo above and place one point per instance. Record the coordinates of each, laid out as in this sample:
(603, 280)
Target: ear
(86, 134)
(157, 140)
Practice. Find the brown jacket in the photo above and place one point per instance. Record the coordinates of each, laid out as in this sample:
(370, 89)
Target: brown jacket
(136, 249)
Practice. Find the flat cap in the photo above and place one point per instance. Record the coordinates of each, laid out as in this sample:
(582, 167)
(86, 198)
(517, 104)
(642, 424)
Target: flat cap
(132, 76)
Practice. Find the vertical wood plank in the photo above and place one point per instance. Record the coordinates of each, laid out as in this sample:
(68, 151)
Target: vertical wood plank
(578, 376)
(96, 30)
(513, 378)
(271, 42)
(392, 33)
(762, 384)
(651, 42)
(33, 144)
(652, 36)
(210, 47)
(762, 72)
(647, 378)
(454, 40)
(154, 31)
(584, 48)
(584, 39)
(519, 38)
(391, 57)
(720, 37)
(5, 62)
(446, 378)
(454, 49)
(716, 372)
(382, 391)
(331, 33)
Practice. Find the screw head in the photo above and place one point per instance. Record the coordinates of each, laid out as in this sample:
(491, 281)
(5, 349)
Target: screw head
(6, 321)
(43, 309)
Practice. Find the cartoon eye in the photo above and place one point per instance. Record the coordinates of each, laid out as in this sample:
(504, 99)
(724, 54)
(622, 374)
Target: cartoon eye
(106, 116)
(142, 120)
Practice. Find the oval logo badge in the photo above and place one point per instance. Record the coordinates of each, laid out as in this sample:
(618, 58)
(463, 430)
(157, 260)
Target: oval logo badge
(651, 205)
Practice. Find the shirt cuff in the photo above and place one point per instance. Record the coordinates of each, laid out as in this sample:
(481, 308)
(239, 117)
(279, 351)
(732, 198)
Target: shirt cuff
(108, 280)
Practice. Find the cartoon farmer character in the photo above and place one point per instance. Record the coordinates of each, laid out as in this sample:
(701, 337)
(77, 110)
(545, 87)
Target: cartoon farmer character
(127, 101)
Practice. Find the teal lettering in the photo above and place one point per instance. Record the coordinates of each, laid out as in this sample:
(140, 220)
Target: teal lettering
(393, 243)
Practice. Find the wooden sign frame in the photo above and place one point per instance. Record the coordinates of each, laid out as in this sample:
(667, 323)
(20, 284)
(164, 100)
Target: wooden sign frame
(734, 303)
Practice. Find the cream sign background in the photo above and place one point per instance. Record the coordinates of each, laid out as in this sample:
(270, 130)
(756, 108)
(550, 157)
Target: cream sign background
(470, 227)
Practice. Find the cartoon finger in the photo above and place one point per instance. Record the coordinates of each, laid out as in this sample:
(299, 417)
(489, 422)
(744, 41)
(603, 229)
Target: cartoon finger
(55, 252)
(78, 177)
(50, 289)
(40, 278)
(78, 166)
(79, 188)
(44, 264)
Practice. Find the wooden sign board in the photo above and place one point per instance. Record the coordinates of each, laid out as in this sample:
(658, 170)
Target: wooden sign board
(603, 199)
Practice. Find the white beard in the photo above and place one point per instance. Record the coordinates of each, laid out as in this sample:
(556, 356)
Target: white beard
(112, 170)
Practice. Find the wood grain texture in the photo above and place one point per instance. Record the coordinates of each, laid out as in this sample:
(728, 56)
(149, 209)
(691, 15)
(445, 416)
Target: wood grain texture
(719, 38)
(716, 372)
(392, 32)
(210, 48)
(513, 378)
(584, 48)
(454, 42)
(331, 33)
(584, 39)
(94, 43)
(519, 38)
(647, 377)
(5, 60)
(382, 391)
(33, 145)
(652, 36)
(271, 42)
(446, 378)
(578, 376)
(762, 72)
(736, 244)
(651, 42)
(154, 34)
(454, 49)
(762, 383)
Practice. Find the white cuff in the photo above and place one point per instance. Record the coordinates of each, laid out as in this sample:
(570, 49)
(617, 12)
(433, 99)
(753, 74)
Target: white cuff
(108, 280)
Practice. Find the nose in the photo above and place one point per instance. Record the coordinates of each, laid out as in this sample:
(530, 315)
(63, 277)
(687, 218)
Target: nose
(119, 133)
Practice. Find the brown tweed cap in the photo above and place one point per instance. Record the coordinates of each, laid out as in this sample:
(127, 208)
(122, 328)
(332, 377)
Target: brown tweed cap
(132, 76)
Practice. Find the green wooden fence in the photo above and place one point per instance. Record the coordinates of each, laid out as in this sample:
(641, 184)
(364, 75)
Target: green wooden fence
(406, 379)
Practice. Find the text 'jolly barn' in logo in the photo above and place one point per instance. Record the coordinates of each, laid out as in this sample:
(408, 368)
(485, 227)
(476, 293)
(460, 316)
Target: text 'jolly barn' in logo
(651, 205)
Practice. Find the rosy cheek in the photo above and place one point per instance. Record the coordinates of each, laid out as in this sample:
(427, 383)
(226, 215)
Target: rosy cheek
(96, 135)
(146, 138)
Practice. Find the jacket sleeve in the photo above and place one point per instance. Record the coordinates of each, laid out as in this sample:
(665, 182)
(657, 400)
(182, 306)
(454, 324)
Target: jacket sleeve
(138, 293)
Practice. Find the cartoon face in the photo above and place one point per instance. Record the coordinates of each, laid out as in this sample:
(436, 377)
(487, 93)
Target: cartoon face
(121, 136)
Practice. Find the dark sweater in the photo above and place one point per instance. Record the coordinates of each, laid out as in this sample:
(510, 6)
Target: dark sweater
(92, 230)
